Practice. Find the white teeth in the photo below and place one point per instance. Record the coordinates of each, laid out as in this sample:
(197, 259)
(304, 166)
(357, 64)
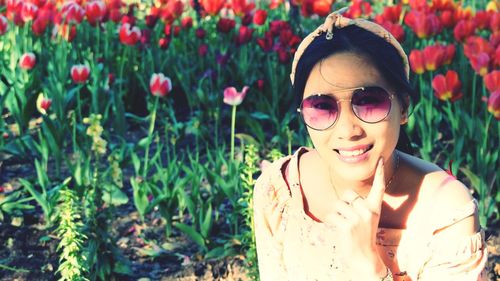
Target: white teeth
(352, 152)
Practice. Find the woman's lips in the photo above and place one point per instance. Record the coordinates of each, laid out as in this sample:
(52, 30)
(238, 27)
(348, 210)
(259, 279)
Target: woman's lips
(354, 154)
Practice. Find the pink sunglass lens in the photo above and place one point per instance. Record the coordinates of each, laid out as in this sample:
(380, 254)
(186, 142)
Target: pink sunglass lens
(319, 112)
(371, 104)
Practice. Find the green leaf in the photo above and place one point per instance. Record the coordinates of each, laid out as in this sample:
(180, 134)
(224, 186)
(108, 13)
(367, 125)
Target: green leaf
(192, 233)
(260, 116)
(114, 196)
(206, 224)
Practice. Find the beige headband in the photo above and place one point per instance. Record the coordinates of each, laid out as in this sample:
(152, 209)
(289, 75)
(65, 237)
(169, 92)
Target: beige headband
(336, 20)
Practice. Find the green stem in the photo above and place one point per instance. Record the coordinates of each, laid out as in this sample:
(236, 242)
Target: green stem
(233, 124)
(150, 134)
(473, 109)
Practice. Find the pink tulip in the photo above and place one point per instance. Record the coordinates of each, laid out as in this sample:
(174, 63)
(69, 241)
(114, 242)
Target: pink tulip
(160, 85)
(4, 25)
(129, 35)
(27, 61)
(233, 97)
(43, 104)
(80, 73)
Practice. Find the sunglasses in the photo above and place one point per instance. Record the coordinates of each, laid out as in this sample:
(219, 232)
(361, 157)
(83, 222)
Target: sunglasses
(370, 104)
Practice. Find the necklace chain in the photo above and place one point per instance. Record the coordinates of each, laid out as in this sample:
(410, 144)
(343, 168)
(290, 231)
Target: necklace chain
(387, 185)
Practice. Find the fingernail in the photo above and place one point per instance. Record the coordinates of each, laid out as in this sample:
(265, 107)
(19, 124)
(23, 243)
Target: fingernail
(381, 161)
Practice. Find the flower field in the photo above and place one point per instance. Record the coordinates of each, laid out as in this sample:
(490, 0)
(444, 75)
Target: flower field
(132, 132)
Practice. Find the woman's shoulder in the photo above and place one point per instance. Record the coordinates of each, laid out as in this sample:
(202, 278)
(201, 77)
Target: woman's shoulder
(437, 184)
(443, 199)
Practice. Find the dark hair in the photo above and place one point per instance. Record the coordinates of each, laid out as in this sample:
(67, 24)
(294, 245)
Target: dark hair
(381, 54)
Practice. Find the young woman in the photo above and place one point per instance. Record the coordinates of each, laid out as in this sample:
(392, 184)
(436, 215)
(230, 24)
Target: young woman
(357, 207)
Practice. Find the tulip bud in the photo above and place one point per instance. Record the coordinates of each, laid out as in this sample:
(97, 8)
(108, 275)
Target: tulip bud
(160, 85)
(494, 104)
(203, 50)
(29, 11)
(187, 22)
(260, 17)
(43, 104)
(27, 61)
(4, 25)
(80, 73)
(164, 43)
(200, 33)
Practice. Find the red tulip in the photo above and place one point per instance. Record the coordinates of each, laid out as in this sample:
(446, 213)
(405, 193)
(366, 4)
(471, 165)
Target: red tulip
(316, 7)
(260, 17)
(129, 35)
(241, 7)
(244, 35)
(419, 5)
(449, 53)
(495, 22)
(423, 24)
(72, 12)
(175, 8)
(464, 29)
(266, 43)
(39, 26)
(482, 19)
(283, 56)
(160, 85)
(494, 104)
(358, 8)
(80, 73)
(275, 4)
(447, 18)
(447, 87)
(395, 29)
(29, 11)
(187, 22)
(111, 79)
(225, 25)
(200, 33)
(145, 37)
(27, 61)
(260, 84)
(151, 20)
(276, 26)
(434, 57)
(203, 50)
(390, 14)
(164, 43)
(115, 15)
(43, 104)
(95, 11)
(480, 63)
(462, 13)
(492, 81)
(4, 25)
(212, 7)
(475, 45)
(443, 5)
(497, 57)
(417, 62)
(233, 97)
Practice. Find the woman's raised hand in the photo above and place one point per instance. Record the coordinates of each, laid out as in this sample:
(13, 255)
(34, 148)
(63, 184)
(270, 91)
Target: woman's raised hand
(356, 220)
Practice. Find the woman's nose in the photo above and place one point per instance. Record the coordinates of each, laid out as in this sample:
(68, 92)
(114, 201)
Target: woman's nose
(348, 125)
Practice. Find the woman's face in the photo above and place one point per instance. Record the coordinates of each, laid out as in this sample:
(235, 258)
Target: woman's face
(349, 135)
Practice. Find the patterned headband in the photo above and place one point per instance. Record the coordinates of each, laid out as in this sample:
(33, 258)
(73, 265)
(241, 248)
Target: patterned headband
(336, 20)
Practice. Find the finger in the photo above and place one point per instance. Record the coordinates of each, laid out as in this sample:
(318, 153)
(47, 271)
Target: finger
(350, 195)
(374, 199)
(348, 212)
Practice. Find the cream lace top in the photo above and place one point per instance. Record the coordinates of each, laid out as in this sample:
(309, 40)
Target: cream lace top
(293, 246)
